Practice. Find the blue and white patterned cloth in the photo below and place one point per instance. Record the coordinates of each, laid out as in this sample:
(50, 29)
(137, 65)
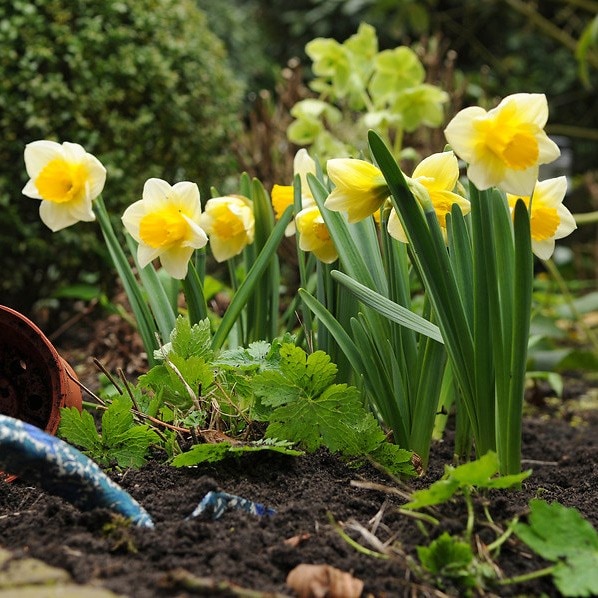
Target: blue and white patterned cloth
(60, 469)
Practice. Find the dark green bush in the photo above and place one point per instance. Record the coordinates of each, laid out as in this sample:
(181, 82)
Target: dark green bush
(142, 84)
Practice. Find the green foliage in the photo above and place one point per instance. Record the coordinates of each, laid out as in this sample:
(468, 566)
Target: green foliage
(141, 84)
(210, 453)
(448, 558)
(480, 473)
(361, 88)
(561, 534)
(121, 441)
(276, 382)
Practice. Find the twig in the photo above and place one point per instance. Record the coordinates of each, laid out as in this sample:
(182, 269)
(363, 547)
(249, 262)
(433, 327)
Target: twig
(356, 545)
(110, 377)
(87, 390)
(380, 488)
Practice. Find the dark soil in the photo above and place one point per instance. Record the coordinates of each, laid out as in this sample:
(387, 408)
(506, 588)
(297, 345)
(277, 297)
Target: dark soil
(308, 493)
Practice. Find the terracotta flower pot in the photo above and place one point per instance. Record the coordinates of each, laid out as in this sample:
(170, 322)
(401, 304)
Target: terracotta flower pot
(35, 382)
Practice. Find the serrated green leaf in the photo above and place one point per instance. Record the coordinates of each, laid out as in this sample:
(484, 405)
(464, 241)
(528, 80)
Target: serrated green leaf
(191, 341)
(436, 494)
(446, 555)
(394, 459)
(79, 428)
(211, 453)
(577, 576)
(479, 473)
(129, 448)
(116, 420)
(254, 357)
(333, 420)
(557, 532)
(299, 374)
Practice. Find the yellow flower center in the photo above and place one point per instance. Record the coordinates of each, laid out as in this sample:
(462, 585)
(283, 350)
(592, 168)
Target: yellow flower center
(163, 228)
(320, 230)
(544, 222)
(511, 140)
(61, 181)
(226, 224)
(282, 198)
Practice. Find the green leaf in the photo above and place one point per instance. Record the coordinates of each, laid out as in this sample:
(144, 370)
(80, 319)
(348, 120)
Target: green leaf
(335, 419)
(212, 453)
(129, 448)
(190, 340)
(479, 473)
(79, 428)
(116, 420)
(389, 309)
(394, 459)
(558, 533)
(299, 375)
(446, 555)
(254, 357)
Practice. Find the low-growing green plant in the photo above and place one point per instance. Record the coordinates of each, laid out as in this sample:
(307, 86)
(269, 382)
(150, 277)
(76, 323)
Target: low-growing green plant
(220, 398)
(121, 441)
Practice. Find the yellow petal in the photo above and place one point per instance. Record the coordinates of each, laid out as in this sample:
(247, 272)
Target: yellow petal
(441, 168)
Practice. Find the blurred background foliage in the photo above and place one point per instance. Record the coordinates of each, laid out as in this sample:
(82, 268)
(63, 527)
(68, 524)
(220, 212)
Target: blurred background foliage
(142, 84)
(198, 90)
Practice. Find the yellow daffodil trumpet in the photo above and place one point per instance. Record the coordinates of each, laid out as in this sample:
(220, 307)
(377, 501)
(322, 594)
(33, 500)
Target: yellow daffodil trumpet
(314, 235)
(360, 188)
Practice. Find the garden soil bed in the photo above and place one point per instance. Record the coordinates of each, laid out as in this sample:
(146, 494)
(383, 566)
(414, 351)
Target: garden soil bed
(245, 555)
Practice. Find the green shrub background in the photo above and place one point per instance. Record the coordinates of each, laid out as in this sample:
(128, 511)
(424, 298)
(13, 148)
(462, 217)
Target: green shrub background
(142, 84)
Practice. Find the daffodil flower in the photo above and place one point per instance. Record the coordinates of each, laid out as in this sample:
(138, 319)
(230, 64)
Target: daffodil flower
(66, 178)
(360, 188)
(433, 180)
(165, 223)
(230, 224)
(549, 218)
(314, 235)
(283, 195)
(505, 146)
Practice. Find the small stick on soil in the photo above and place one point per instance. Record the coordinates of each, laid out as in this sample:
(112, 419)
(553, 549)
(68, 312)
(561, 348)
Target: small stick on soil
(108, 375)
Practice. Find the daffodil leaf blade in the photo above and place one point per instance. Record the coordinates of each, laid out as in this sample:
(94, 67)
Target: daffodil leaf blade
(389, 309)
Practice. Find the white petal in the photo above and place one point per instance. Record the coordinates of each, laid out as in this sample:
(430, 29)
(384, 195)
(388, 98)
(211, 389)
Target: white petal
(199, 238)
(30, 190)
(97, 176)
(548, 150)
(55, 216)
(520, 182)
(132, 216)
(147, 254)
(188, 194)
(532, 107)
(82, 210)
(176, 261)
(73, 152)
(395, 228)
(39, 153)
(486, 174)
(552, 191)
(460, 133)
(567, 223)
(543, 249)
(155, 191)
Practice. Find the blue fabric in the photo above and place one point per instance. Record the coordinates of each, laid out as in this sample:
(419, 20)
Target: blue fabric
(59, 468)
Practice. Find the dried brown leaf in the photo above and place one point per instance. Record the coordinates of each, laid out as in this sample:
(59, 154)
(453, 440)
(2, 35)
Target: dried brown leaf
(323, 581)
